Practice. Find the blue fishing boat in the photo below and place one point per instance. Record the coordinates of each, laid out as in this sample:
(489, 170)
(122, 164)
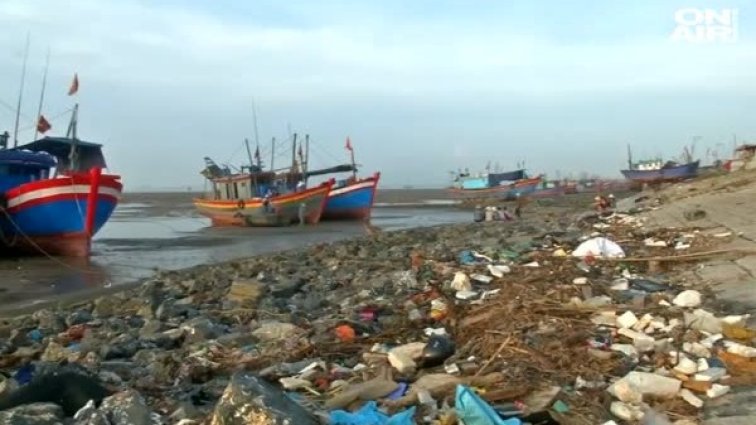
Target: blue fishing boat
(50, 205)
(657, 171)
(351, 199)
(502, 186)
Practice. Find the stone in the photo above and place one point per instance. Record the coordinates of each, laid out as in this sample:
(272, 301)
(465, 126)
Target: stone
(246, 293)
(401, 362)
(49, 320)
(78, 317)
(461, 282)
(33, 414)
(7, 385)
(712, 374)
(200, 329)
(89, 415)
(286, 288)
(106, 306)
(276, 331)
(248, 400)
(55, 353)
(126, 408)
(717, 390)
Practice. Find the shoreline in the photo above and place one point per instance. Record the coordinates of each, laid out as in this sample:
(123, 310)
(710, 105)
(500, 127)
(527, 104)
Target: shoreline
(205, 327)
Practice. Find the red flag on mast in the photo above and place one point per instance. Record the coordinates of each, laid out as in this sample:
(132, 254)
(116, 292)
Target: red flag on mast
(43, 125)
(74, 85)
(348, 144)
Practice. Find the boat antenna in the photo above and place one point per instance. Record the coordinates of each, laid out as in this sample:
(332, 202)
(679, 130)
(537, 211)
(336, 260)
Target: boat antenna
(272, 153)
(629, 158)
(21, 90)
(249, 153)
(307, 157)
(293, 153)
(42, 93)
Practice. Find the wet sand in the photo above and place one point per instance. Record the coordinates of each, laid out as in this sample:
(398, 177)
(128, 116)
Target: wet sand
(162, 231)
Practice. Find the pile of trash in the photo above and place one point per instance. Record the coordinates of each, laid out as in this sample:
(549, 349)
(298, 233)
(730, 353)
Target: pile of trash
(474, 324)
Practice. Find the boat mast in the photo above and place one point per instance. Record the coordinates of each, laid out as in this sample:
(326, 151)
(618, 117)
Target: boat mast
(257, 137)
(42, 93)
(71, 133)
(307, 157)
(294, 152)
(21, 90)
(629, 158)
(272, 153)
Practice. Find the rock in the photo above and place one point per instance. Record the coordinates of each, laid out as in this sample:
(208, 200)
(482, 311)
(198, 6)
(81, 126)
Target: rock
(625, 349)
(694, 214)
(717, 390)
(688, 298)
(7, 385)
(200, 329)
(151, 327)
(48, 320)
(287, 288)
(89, 415)
(712, 374)
(249, 400)
(702, 320)
(642, 342)
(33, 414)
(684, 365)
(276, 331)
(55, 353)
(401, 362)
(126, 408)
(106, 306)
(78, 317)
(245, 293)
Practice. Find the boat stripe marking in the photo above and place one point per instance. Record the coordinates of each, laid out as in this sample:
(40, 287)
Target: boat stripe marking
(79, 189)
(346, 189)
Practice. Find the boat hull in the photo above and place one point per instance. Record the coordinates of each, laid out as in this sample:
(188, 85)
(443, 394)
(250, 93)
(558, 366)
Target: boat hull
(503, 192)
(283, 210)
(48, 217)
(551, 192)
(679, 172)
(353, 201)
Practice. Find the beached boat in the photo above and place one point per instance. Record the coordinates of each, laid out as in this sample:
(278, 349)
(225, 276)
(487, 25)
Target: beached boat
(351, 199)
(280, 210)
(260, 198)
(658, 172)
(548, 189)
(502, 191)
(59, 214)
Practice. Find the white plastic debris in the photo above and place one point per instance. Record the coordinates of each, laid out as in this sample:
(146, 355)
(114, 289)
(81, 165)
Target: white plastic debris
(466, 295)
(647, 384)
(435, 331)
(712, 374)
(452, 369)
(481, 278)
(740, 349)
(688, 298)
(691, 398)
(651, 242)
(697, 349)
(627, 320)
(532, 264)
(580, 280)
(702, 320)
(642, 342)
(723, 235)
(499, 270)
(643, 322)
(717, 390)
(401, 362)
(703, 365)
(626, 349)
(621, 284)
(604, 318)
(599, 247)
(461, 282)
(684, 365)
(680, 246)
(294, 383)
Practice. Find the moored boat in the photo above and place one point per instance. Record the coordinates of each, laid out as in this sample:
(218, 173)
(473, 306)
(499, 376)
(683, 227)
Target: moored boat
(501, 191)
(548, 189)
(668, 172)
(55, 215)
(351, 199)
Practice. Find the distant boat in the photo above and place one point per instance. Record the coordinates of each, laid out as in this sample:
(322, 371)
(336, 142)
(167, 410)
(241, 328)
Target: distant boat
(549, 189)
(501, 186)
(657, 171)
(59, 214)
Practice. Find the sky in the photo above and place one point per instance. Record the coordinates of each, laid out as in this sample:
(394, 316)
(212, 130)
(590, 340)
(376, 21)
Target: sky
(420, 87)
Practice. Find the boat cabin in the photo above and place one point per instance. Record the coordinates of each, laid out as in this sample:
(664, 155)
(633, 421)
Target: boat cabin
(249, 182)
(20, 167)
(72, 155)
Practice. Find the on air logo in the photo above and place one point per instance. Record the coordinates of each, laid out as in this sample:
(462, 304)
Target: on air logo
(706, 25)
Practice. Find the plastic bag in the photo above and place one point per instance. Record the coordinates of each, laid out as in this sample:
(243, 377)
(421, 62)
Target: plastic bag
(599, 247)
(473, 410)
(370, 415)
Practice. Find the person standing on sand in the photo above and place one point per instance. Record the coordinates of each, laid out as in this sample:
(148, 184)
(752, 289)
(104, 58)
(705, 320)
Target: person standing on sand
(520, 204)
